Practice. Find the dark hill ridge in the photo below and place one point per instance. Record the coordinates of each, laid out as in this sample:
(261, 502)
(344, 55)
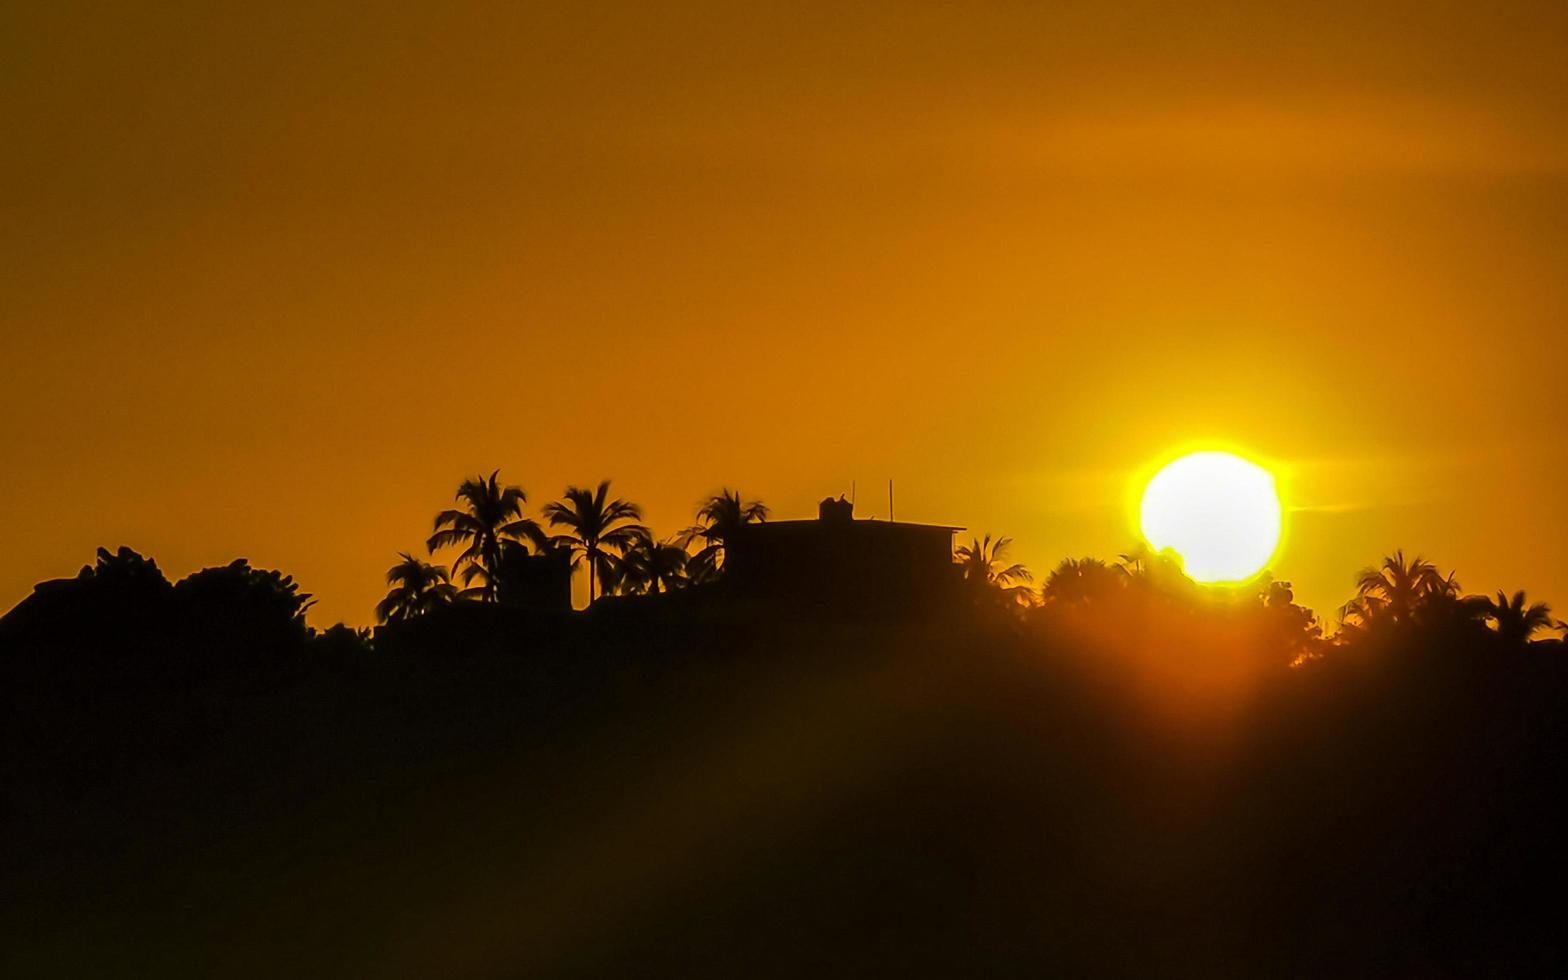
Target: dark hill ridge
(674, 785)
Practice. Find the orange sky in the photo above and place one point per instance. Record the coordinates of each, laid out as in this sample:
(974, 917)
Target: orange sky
(273, 281)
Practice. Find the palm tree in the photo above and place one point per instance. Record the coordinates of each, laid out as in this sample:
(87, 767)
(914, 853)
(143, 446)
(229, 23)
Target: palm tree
(1135, 562)
(1145, 568)
(651, 566)
(490, 516)
(1516, 622)
(981, 564)
(1080, 580)
(417, 588)
(718, 517)
(1447, 611)
(1397, 590)
(598, 529)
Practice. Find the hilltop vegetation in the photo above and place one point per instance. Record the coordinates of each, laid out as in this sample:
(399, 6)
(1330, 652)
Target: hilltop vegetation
(1114, 773)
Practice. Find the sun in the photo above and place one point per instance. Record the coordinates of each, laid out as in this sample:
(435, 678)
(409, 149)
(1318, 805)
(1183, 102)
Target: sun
(1219, 512)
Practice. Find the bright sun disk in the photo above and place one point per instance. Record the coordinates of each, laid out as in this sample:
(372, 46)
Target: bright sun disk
(1219, 512)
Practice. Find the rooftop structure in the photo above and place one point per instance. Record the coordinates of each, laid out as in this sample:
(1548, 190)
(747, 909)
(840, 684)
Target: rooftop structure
(839, 561)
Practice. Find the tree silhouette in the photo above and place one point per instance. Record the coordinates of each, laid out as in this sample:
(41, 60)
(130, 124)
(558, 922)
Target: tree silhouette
(1150, 570)
(264, 587)
(650, 566)
(490, 516)
(718, 517)
(250, 609)
(125, 566)
(1444, 609)
(1078, 581)
(1397, 590)
(981, 564)
(598, 530)
(417, 588)
(121, 594)
(1292, 628)
(1133, 563)
(343, 641)
(1516, 623)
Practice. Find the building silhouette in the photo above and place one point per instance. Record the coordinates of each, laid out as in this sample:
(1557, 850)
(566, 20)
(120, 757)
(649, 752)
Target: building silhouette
(537, 583)
(839, 563)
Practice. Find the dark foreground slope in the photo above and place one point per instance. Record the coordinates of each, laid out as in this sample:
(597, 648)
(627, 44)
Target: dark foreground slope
(631, 794)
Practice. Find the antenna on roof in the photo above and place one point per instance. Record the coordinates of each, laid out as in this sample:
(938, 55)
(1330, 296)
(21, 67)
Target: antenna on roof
(890, 498)
(851, 493)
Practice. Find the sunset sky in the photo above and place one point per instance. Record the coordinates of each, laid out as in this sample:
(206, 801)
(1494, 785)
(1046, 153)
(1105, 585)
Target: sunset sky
(273, 281)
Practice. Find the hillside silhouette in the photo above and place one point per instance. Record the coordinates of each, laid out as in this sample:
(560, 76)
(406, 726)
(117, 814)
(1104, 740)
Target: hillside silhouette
(825, 746)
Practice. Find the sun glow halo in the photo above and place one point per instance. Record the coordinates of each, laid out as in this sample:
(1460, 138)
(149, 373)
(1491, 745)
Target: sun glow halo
(1219, 512)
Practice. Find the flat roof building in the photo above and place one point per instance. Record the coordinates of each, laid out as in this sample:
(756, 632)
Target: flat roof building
(837, 561)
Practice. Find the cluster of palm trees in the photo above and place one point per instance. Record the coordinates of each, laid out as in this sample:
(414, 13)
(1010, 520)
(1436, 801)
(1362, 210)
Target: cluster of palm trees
(586, 527)
(1412, 592)
(1074, 582)
(1397, 593)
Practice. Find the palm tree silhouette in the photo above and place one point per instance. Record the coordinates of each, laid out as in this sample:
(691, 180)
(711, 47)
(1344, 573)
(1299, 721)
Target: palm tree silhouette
(651, 566)
(717, 518)
(1143, 567)
(981, 564)
(1445, 609)
(1081, 580)
(1515, 621)
(1397, 590)
(1133, 563)
(490, 516)
(598, 529)
(417, 588)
